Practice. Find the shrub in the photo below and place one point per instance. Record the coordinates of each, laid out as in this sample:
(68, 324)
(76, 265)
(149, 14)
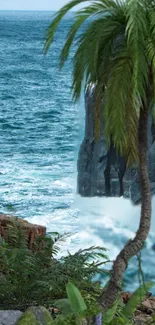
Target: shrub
(38, 278)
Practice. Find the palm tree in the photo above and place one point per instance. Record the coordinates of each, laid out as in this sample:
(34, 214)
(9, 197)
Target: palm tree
(116, 53)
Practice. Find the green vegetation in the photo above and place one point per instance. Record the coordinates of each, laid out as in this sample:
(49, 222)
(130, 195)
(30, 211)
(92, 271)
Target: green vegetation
(76, 311)
(118, 314)
(37, 278)
(115, 53)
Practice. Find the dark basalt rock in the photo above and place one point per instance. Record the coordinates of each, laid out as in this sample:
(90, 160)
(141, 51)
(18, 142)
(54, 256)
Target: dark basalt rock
(101, 172)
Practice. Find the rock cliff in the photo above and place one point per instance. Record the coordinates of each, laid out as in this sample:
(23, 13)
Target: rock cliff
(101, 172)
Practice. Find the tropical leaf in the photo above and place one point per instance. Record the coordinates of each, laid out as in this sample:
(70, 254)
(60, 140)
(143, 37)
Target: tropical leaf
(137, 30)
(81, 16)
(112, 53)
(57, 18)
(116, 101)
(75, 298)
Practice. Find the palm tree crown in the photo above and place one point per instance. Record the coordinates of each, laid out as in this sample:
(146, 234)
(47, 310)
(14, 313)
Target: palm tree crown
(115, 52)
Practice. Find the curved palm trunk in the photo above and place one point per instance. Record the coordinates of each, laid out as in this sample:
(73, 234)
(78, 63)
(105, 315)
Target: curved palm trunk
(109, 295)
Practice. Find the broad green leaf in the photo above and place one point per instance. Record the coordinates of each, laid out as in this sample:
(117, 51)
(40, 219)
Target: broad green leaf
(136, 299)
(76, 300)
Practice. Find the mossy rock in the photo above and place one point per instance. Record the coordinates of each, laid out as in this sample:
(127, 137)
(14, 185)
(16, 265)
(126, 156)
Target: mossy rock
(36, 316)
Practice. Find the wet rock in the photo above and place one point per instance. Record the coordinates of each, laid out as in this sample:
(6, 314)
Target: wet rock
(101, 172)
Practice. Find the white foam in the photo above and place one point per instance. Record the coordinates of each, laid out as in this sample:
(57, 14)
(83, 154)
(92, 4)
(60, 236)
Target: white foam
(106, 222)
(108, 211)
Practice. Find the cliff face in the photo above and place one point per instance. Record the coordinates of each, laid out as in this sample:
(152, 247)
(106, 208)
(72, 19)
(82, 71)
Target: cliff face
(100, 171)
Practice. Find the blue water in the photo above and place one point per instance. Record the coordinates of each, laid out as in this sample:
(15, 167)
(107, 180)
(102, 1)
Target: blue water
(38, 119)
(40, 133)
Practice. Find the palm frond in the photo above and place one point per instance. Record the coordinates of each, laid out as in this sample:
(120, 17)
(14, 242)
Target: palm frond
(91, 11)
(114, 52)
(137, 31)
(116, 99)
(132, 114)
(94, 51)
(57, 18)
(71, 36)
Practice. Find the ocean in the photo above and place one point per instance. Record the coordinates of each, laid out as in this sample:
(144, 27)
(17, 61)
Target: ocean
(40, 134)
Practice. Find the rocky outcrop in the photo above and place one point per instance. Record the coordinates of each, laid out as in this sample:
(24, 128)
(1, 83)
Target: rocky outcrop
(101, 172)
(36, 316)
(31, 231)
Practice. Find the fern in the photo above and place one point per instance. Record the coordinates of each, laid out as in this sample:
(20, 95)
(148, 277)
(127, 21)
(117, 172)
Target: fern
(33, 278)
